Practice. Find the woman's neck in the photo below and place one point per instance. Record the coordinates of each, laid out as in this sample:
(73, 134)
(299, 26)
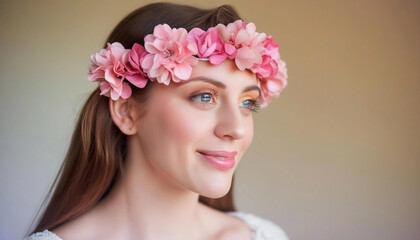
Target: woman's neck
(145, 204)
(150, 208)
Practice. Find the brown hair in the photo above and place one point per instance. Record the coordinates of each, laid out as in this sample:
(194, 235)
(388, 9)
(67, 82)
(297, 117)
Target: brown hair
(96, 154)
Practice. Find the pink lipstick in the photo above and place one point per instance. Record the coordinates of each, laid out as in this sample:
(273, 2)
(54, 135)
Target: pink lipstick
(220, 159)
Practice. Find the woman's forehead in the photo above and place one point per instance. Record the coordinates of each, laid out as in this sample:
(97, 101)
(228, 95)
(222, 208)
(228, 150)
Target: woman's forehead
(223, 72)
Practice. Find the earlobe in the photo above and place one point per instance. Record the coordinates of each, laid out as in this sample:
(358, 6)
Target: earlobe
(122, 115)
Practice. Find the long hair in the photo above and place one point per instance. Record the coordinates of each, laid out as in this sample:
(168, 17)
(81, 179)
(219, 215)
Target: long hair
(95, 158)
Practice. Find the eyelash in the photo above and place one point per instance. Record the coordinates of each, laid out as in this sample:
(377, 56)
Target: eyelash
(255, 103)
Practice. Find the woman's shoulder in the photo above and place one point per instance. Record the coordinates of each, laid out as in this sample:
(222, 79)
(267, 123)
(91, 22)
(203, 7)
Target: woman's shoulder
(262, 229)
(45, 235)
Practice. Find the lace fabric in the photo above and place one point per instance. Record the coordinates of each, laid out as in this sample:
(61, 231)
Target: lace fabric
(262, 229)
(45, 235)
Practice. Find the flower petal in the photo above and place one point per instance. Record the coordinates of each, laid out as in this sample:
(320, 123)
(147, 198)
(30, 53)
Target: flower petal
(244, 58)
(162, 31)
(126, 90)
(183, 71)
(217, 59)
(105, 88)
(114, 95)
(137, 80)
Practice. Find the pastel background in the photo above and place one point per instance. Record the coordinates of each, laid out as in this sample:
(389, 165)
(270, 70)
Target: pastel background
(336, 156)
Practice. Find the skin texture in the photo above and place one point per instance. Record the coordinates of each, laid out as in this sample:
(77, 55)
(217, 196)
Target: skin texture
(157, 198)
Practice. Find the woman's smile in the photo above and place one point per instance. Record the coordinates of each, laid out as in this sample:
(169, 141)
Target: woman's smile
(222, 160)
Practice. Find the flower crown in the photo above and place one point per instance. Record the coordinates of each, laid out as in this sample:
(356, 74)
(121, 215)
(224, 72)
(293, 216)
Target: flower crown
(169, 54)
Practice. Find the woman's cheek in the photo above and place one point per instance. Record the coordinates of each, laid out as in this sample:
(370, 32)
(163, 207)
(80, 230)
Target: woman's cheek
(249, 134)
(184, 121)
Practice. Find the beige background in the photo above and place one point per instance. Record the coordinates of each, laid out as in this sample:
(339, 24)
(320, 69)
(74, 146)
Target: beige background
(337, 156)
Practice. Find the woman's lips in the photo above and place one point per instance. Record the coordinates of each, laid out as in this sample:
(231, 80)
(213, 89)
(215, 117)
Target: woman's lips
(220, 159)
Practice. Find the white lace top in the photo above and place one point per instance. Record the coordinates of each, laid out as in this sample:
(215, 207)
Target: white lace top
(262, 229)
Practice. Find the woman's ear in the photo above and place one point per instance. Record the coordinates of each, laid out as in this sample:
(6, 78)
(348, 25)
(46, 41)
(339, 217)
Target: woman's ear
(123, 116)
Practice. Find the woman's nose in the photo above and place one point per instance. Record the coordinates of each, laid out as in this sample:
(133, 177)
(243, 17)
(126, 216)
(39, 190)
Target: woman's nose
(230, 123)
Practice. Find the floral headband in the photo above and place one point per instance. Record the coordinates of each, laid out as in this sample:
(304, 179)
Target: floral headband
(169, 54)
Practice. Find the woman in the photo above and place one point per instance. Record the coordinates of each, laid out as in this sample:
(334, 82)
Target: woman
(156, 144)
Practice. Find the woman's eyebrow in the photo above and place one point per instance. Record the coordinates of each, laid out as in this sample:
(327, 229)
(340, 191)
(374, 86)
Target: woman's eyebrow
(253, 87)
(209, 80)
(219, 84)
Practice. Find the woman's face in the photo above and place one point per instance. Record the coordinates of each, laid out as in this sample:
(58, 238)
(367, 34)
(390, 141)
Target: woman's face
(195, 132)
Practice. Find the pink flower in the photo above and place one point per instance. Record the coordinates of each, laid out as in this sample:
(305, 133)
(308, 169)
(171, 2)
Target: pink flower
(269, 66)
(271, 71)
(273, 85)
(211, 45)
(171, 54)
(134, 73)
(271, 48)
(108, 69)
(247, 41)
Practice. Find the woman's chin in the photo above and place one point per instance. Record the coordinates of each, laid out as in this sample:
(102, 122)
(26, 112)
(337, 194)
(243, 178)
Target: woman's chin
(215, 190)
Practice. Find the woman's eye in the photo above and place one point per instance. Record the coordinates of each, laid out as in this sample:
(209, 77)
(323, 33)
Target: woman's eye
(253, 105)
(248, 103)
(203, 97)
